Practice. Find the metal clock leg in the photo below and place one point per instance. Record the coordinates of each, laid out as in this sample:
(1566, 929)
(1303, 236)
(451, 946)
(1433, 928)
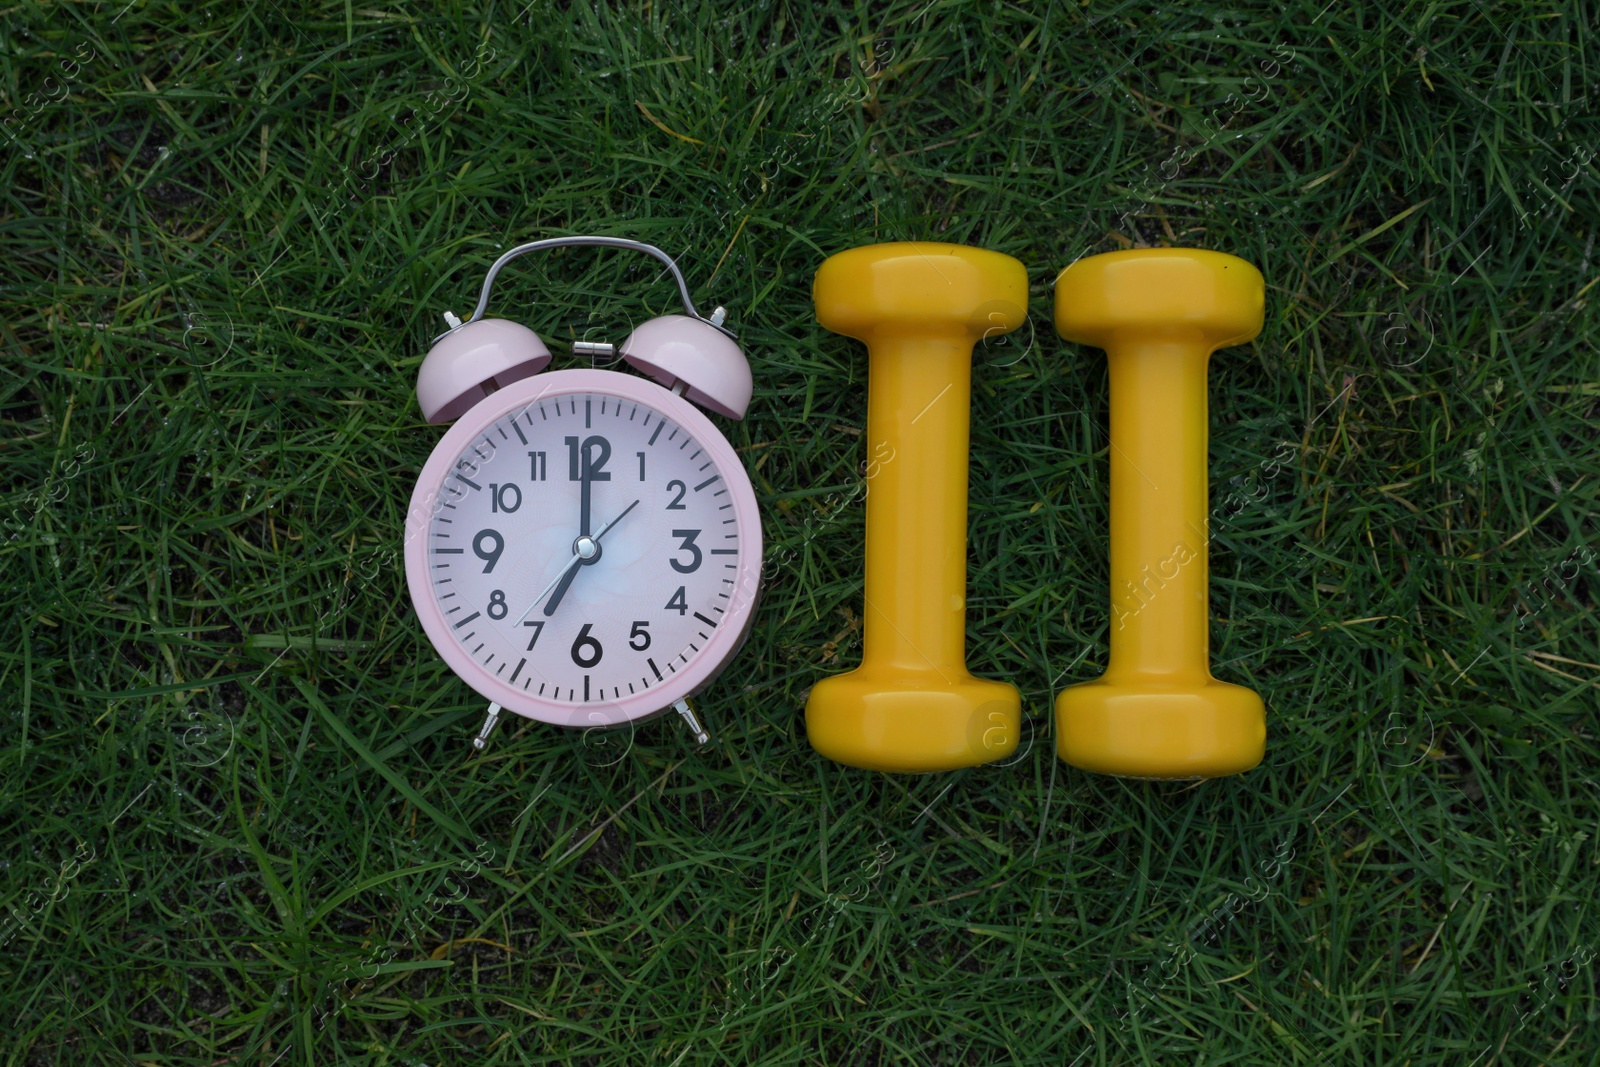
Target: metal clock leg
(482, 740)
(700, 736)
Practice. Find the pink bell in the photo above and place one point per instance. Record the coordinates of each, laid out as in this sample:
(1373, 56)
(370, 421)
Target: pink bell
(472, 361)
(676, 348)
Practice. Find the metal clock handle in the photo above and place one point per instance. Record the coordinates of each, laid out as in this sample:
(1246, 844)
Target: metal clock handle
(715, 320)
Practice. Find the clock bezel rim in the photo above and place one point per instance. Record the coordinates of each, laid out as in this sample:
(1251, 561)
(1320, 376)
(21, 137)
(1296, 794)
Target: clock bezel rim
(688, 679)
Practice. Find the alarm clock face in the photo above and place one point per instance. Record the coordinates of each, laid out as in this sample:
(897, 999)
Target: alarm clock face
(583, 548)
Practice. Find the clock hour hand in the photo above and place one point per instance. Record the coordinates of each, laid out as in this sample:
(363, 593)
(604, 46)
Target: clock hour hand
(587, 550)
(563, 583)
(563, 579)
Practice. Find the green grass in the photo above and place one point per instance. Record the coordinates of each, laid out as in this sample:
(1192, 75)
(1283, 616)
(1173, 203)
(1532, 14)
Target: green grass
(242, 822)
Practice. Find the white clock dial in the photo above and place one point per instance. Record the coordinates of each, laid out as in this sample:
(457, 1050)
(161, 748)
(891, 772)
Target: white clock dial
(656, 565)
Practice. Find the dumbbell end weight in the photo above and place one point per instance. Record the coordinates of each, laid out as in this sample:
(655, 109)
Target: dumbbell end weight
(912, 706)
(893, 720)
(1215, 299)
(1136, 730)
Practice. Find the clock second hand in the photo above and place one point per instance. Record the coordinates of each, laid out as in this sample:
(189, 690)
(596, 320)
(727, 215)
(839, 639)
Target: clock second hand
(564, 579)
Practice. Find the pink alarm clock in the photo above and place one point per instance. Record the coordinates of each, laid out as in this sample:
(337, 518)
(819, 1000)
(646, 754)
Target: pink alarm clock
(583, 547)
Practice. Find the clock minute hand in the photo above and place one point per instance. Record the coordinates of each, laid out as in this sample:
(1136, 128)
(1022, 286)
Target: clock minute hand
(564, 580)
(583, 492)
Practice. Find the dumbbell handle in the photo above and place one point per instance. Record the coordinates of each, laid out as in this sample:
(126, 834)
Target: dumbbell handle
(1159, 571)
(918, 414)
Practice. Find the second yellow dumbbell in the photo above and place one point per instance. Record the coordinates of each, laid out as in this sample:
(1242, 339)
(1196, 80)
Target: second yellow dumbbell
(1157, 712)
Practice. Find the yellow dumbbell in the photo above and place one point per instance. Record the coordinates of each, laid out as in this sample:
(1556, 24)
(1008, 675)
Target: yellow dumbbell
(912, 705)
(1157, 712)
